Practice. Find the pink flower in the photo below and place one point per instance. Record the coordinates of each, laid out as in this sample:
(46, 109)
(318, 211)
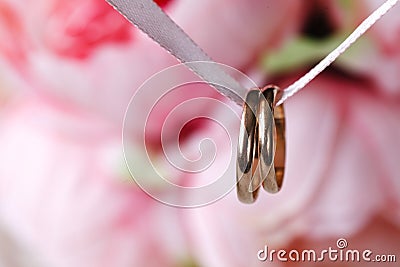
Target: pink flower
(342, 172)
(336, 186)
(377, 55)
(77, 29)
(63, 201)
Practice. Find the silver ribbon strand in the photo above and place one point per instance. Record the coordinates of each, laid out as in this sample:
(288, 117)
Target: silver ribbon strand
(149, 18)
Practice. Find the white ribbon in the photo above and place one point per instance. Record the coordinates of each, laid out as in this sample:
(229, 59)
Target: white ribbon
(150, 18)
(331, 57)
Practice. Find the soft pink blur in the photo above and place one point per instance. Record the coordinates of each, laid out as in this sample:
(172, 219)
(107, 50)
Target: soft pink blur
(67, 72)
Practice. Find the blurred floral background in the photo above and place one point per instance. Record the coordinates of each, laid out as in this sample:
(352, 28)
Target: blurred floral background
(67, 71)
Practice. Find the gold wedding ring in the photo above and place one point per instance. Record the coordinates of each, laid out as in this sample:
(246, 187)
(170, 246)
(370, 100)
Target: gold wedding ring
(261, 146)
(247, 158)
(271, 140)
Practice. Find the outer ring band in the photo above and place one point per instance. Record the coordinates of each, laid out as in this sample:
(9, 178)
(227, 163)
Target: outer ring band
(271, 136)
(248, 180)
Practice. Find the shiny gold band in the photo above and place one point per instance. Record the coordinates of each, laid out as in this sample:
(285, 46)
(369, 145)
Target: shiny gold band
(273, 145)
(261, 147)
(247, 158)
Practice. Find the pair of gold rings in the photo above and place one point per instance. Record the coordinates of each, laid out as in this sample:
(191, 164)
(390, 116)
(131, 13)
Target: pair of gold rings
(261, 147)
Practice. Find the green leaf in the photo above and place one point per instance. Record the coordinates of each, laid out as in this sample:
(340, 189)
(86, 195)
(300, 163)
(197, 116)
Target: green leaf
(298, 53)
